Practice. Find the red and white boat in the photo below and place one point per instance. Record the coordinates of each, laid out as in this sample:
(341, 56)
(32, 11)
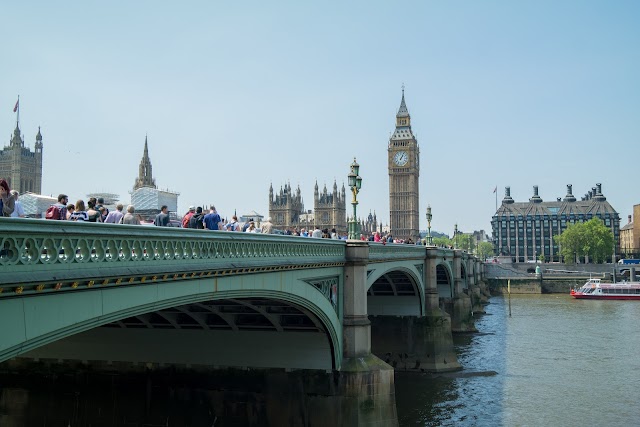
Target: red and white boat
(595, 289)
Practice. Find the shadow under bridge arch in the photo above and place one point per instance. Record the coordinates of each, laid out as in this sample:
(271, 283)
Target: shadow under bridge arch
(444, 281)
(395, 292)
(257, 328)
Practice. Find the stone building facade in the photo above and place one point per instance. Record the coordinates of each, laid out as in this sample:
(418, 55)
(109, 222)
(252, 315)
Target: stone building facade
(630, 235)
(286, 209)
(21, 167)
(330, 209)
(369, 225)
(404, 171)
(525, 230)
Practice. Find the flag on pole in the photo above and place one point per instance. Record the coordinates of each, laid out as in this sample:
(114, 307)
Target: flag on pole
(495, 189)
(16, 106)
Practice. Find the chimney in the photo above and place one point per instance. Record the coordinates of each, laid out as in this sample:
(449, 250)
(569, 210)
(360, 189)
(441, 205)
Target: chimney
(536, 198)
(570, 197)
(507, 196)
(629, 219)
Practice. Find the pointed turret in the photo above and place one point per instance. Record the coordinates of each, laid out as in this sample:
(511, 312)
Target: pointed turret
(403, 121)
(16, 140)
(38, 145)
(145, 174)
(403, 111)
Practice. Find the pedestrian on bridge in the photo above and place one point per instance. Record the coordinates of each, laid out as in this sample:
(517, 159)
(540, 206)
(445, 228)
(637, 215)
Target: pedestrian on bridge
(212, 219)
(114, 217)
(7, 201)
(267, 226)
(129, 217)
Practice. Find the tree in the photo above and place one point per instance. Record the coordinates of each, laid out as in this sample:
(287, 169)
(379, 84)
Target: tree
(442, 241)
(465, 242)
(485, 250)
(588, 239)
(599, 240)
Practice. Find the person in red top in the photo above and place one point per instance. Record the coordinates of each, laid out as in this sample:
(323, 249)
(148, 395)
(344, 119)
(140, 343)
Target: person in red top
(187, 216)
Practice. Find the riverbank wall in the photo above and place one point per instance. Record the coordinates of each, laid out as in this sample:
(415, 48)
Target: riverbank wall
(536, 285)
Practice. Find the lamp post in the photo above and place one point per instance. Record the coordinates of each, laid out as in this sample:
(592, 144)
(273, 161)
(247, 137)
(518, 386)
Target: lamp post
(355, 182)
(429, 217)
(455, 236)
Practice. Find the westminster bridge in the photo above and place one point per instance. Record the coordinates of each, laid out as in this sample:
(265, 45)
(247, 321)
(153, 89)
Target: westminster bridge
(334, 318)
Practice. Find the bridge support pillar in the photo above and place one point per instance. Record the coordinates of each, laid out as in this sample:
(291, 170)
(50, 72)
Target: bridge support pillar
(484, 290)
(462, 318)
(474, 289)
(418, 343)
(365, 381)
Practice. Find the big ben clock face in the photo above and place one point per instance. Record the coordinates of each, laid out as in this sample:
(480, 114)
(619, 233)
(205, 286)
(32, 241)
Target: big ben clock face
(401, 158)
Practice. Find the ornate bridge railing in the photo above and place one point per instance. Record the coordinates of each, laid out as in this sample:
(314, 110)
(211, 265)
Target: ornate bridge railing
(394, 251)
(48, 256)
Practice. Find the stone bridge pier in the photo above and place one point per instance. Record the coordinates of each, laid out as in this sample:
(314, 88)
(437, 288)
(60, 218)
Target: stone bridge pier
(366, 382)
(462, 315)
(417, 340)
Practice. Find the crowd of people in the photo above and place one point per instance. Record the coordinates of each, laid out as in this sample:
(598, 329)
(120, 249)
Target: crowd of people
(95, 211)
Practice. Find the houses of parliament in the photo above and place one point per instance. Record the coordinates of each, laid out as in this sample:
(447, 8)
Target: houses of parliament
(21, 167)
(286, 208)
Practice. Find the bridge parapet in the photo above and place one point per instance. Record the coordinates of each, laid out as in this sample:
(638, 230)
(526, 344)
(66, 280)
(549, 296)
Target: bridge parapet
(393, 251)
(37, 255)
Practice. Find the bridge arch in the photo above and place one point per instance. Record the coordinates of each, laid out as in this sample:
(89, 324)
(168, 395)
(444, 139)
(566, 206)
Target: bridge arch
(79, 314)
(444, 280)
(398, 291)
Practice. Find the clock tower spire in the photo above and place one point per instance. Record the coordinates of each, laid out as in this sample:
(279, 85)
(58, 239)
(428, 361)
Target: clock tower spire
(404, 171)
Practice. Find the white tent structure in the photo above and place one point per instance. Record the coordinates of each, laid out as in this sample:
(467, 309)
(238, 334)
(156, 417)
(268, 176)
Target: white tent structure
(152, 199)
(36, 205)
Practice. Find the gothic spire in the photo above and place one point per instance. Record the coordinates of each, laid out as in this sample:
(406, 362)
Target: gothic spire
(403, 111)
(145, 174)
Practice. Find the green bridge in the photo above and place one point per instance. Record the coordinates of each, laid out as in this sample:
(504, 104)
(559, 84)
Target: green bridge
(109, 295)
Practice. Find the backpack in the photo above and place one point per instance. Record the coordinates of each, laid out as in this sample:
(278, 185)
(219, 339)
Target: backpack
(54, 212)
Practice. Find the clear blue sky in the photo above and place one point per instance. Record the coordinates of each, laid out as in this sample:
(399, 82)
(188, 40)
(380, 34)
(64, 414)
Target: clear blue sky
(237, 95)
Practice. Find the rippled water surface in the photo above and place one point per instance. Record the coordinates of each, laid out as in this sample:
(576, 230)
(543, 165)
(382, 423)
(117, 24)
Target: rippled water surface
(555, 362)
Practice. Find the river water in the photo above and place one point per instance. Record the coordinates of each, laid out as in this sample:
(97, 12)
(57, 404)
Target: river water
(556, 361)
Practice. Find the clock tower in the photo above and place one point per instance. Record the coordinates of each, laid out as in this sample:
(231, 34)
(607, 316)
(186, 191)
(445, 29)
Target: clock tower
(404, 170)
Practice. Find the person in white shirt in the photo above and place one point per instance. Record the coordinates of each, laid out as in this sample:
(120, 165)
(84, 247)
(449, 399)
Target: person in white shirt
(18, 210)
(317, 233)
(114, 217)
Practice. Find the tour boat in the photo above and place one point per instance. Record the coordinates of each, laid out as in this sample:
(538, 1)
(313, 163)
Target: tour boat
(594, 289)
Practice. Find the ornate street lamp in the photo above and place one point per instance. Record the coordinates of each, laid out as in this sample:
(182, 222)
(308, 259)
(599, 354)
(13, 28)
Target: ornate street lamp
(355, 182)
(429, 217)
(455, 236)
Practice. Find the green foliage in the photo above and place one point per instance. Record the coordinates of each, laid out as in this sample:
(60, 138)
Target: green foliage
(466, 242)
(485, 250)
(586, 239)
(442, 241)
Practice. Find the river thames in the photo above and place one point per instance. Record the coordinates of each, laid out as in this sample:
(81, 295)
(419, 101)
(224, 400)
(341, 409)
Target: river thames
(556, 361)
